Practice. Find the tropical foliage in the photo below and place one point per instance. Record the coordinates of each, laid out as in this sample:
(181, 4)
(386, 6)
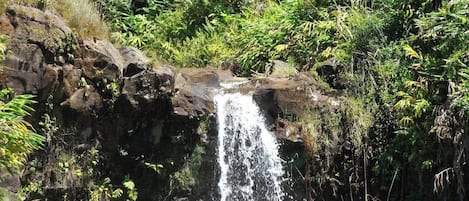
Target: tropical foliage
(405, 61)
(17, 138)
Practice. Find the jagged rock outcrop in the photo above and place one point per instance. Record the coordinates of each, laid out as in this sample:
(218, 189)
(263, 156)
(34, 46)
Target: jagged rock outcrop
(285, 99)
(40, 41)
(328, 125)
(193, 96)
(107, 112)
(94, 96)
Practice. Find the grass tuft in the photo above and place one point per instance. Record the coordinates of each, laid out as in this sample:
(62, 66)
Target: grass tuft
(82, 16)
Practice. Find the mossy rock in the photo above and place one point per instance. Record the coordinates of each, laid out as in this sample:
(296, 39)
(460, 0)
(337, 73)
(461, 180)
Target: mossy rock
(6, 195)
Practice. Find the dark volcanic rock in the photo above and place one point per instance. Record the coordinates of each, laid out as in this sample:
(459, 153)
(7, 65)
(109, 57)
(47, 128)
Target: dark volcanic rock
(84, 101)
(134, 61)
(9, 181)
(284, 100)
(329, 71)
(93, 96)
(142, 91)
(99, 60)
(40, 42)
(194, 91)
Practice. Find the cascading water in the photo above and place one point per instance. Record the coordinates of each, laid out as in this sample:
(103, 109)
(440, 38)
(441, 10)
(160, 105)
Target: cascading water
(251, 169)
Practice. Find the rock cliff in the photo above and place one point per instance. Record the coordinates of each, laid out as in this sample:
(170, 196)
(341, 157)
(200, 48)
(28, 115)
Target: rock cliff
(109, 114)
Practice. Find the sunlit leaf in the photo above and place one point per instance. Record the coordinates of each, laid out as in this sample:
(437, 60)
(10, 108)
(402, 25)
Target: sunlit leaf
(411, 52)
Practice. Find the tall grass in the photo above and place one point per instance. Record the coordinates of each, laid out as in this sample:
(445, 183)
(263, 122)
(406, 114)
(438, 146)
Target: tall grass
(82, 16)
(5, 3)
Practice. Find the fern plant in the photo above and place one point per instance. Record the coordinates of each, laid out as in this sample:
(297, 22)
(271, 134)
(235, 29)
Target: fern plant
(17, 137)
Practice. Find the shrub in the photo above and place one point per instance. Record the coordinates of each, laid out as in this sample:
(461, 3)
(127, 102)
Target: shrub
(17, 138)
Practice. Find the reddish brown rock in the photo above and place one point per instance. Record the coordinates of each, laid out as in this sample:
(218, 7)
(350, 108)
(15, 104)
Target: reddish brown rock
(6, 28)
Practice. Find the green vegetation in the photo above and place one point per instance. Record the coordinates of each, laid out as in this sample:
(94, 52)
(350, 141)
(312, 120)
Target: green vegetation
(187, 176)
(17, 137)
(82, 16)
(404, 61)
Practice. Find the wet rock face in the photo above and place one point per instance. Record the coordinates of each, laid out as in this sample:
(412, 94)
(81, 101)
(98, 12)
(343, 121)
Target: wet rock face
(194, 92)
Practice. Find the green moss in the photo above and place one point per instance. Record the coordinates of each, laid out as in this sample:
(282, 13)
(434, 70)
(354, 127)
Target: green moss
(6, 195)
(203, 127)
(186, 178)
(359, 120)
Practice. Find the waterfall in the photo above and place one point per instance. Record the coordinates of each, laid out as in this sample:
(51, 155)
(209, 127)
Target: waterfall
(250, 167)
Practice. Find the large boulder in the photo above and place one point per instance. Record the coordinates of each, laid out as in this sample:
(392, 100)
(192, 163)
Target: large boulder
(84, 101)
(99, 60)
(40, 42)
(286, 99)
(134, 61)
(195, 90)
(285, 95)
(143, 91)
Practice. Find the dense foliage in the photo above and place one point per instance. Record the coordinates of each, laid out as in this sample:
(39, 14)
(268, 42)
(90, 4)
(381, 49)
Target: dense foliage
(406, 61)
(17, 138)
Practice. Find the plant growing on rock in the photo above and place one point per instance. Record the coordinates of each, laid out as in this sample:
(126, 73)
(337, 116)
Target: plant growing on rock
(82, 16)
(17, 137)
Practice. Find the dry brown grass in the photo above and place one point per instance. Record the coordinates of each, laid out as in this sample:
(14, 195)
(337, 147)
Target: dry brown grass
(5, 3)
(82, 16)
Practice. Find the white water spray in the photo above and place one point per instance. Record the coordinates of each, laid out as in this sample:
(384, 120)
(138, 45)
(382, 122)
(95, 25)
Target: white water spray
(251, 169)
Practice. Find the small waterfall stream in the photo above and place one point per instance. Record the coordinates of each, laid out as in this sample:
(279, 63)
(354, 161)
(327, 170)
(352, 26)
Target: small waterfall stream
(250, 166)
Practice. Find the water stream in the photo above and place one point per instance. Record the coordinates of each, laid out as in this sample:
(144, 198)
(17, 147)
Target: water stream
(251, 169)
